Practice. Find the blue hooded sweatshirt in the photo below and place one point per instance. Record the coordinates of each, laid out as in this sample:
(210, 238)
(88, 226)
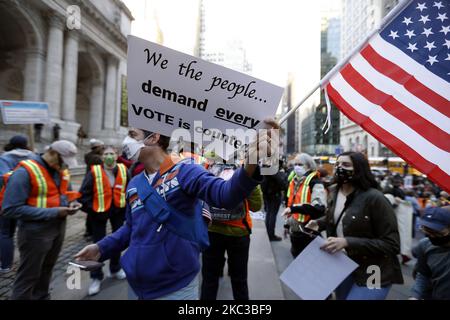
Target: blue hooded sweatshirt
(159, 262)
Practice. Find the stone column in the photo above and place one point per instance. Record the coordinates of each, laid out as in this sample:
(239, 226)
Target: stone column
(34, 65)
(110, 96)
(96, 108)
(70, 76)
(53, 77)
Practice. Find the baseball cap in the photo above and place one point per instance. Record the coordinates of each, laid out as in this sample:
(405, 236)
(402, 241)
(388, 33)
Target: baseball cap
(67, 150)
(18, 142)
(436, 218)
(96, 143)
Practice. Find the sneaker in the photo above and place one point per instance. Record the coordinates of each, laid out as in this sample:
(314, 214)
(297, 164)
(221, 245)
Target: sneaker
(120, 275)
(5, 270)
(94, 288)
(275, 238)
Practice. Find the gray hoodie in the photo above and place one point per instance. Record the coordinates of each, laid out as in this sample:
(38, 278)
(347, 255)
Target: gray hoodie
(9, 160)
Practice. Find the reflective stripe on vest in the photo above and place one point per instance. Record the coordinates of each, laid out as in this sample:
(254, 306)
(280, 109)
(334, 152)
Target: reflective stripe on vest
(120, 185)
(102, 189)
(303, 195)
(5, 181)
(44, 192)
(104, 194)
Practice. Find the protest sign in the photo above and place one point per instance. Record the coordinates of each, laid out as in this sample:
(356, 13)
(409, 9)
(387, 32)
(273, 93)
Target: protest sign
(170, 90)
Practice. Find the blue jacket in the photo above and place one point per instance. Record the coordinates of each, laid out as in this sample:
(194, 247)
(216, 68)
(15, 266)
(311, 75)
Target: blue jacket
(15, 203)
(159, 262)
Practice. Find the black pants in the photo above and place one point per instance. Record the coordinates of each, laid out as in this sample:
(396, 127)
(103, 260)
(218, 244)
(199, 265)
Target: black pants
(273, 205)
(39, 246)
(98, 222)
(7, 231)
(88, 225)
(213, 261)
(299, 241)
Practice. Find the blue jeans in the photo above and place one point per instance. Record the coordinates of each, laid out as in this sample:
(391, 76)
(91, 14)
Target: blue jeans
(190, 292)
(7, 231)
(349, 290)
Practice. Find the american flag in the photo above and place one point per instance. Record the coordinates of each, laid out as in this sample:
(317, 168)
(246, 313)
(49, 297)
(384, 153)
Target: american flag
(397, 87)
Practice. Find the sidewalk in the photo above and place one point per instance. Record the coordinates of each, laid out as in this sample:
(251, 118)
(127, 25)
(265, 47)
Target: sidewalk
(263, 276)
(267, 260)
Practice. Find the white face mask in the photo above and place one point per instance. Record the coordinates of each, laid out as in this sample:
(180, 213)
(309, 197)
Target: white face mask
(300, 170)
(132, 148)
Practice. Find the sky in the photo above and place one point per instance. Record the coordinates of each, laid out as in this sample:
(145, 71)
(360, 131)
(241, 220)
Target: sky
(280, 36)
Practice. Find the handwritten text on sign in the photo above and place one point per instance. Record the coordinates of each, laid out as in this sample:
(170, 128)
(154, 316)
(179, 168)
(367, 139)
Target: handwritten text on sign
(169, 90)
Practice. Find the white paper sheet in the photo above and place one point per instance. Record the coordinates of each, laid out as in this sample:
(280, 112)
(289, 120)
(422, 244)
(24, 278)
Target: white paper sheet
(314, 274)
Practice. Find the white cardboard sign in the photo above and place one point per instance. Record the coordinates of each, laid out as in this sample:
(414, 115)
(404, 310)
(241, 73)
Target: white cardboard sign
(314, 274)
(169, 90)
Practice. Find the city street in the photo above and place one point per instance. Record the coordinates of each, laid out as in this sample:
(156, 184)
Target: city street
(267, 261)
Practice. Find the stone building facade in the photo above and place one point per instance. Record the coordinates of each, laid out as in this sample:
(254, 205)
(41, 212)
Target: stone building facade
(45, 55)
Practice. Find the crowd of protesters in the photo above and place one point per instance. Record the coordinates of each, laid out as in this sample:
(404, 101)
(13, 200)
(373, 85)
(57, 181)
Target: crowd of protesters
(177, 213)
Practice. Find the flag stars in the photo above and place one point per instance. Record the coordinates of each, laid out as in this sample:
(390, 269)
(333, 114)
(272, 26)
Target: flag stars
(430, 46)
(410, 33)
(407, 21)
(445, 30)
(447, 44)
(439, 5)
(448, 57)
(442, 17)
(424, 19)
(394, 34)
(427, 32)
(432, 60)
(412, 47)
(421, 6)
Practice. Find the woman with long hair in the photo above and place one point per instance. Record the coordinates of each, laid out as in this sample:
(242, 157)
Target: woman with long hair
(361, 221)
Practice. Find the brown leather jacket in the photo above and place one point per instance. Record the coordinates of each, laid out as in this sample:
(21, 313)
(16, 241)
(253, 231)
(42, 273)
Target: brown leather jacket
(370, 228)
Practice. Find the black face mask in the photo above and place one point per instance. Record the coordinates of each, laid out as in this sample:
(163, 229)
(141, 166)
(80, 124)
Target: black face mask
(440, 241)
(343, 175)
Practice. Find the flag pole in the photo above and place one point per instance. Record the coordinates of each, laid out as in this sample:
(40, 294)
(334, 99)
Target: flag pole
(388, 18)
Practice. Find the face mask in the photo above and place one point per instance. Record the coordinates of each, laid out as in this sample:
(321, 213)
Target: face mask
(299, 170)
(343, 175)
(439, 241)
(132, 148)
(109, 160)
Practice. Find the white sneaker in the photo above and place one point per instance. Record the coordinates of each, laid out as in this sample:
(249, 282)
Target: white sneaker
(119, 275)
(94, 288)
(5, 270)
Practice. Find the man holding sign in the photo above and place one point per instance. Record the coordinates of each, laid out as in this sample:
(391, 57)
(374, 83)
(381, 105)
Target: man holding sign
(165, 228)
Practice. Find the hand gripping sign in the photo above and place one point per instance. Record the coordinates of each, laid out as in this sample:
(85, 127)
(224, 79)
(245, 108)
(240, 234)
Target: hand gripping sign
(176, 94)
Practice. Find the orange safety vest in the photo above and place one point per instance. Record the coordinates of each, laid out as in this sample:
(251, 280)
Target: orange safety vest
(104, 194)
(5, 181)
(44, 192)
(240, 222)
(300, 196)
